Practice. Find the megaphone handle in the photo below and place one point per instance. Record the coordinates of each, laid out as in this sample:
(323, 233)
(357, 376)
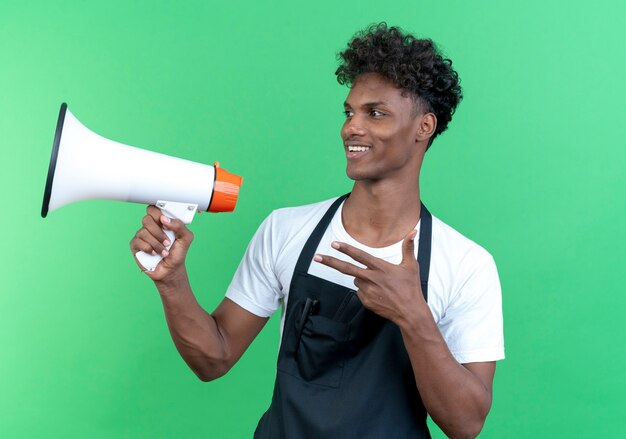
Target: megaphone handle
(173, 210)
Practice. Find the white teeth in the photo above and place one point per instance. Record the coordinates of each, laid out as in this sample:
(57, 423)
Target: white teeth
(358, 148)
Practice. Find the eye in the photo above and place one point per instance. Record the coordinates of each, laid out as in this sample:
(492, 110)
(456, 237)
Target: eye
(348, 113)
(376, 113)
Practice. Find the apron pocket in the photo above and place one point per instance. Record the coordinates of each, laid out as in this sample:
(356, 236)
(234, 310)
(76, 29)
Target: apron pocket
(320, 353)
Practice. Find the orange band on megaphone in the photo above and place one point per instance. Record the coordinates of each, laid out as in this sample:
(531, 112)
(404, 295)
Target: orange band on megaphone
(225, 191)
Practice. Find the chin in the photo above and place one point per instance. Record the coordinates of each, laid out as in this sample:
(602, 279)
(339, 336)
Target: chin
(357, 175)
(353, 175)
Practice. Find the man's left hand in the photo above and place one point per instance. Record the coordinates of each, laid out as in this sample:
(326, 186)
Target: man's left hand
(391, 291)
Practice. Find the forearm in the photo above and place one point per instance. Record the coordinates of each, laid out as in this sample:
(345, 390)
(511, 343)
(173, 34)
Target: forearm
(195, 332)
(456, 399)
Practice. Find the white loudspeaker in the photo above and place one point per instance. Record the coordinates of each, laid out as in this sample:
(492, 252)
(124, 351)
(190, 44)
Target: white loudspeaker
(86, 166)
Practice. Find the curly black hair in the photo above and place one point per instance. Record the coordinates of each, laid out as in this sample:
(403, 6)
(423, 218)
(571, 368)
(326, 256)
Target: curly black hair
(414, 65)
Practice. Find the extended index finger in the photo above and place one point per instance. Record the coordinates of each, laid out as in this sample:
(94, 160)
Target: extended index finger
(357, 254)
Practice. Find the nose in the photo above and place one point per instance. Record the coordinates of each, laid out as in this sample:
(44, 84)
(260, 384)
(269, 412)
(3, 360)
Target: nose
(352, 127)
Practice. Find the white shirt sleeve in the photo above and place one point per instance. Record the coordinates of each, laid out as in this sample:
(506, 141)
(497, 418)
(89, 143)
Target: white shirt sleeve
(255, 286)
(472, 324)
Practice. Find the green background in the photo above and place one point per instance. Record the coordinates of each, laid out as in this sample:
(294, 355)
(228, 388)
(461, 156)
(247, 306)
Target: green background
(532, 168)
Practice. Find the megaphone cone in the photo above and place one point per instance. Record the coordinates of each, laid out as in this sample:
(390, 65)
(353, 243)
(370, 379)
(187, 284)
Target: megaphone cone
(84, 166)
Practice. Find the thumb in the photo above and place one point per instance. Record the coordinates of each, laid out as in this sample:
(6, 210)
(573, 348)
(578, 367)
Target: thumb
(408, 248)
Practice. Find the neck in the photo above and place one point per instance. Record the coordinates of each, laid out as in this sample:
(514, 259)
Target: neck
(381, 213)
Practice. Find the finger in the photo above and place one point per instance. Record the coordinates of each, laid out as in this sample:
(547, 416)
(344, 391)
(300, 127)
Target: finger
(155, 229)
(155, 245)
(364, 298)
(342, 266)
(179, 228)
(139, 245)
(358, 254)
(363, 288)
(360, 283)
(408, 248)
(154, 212)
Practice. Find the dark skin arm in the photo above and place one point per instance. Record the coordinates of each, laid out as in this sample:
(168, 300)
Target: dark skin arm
(456, 396)
(209, 343)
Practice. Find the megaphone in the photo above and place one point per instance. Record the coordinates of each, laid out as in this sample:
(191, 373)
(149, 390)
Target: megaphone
(86, 166)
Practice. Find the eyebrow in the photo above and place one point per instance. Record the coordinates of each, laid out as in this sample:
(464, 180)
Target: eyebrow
(367, 104)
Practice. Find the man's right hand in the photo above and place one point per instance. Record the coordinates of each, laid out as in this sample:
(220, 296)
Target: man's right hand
(152, 239)
(209, 343)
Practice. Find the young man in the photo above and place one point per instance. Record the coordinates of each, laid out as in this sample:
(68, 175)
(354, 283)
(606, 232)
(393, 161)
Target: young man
(377, 332)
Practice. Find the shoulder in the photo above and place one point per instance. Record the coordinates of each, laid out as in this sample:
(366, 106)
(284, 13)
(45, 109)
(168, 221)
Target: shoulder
(286, 227)
(457, 257)
(456, 246)
(293, 219)
(301, 214)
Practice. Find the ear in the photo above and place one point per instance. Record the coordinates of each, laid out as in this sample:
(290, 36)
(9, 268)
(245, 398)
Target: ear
(427, 124)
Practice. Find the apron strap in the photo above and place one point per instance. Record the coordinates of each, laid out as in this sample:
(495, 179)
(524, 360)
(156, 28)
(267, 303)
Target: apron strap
(306, 256)
(423, 252)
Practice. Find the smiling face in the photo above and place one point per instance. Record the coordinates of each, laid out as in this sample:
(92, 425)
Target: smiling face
(383, 137)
